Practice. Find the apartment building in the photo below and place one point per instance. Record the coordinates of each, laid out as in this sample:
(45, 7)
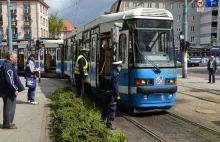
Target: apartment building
(201, 25)
(67, 28)
(29, 21)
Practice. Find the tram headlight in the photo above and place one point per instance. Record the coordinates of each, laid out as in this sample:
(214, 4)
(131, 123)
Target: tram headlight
(143, 82)
(170, 81)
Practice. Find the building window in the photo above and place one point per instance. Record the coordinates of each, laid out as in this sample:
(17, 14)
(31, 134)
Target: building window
(192, 38)
(178, 29)
(41, 20)
(27, 7)
(127, 4)
(41, 32)
(44, 33)
(157, 5)
(27, 30)
(164, 5)
(193, 5)
(192, 28)
(193, 18)
(40, 8)
(64, 28)
(171, 5)
(178, 17)
(46, 23)
(27, 18)
(43, 10)
(178, 5)
(13, 20)
(149, 5)
(14, 31)
(46, 11)
(14, 5)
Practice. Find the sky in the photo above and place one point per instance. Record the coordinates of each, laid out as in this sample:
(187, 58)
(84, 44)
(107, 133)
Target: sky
(79, 12)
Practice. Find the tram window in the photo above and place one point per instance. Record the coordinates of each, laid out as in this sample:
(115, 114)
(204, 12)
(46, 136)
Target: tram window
(69, 58)
(58, 55)
(122, 47)
(217, 53)
(93, 50)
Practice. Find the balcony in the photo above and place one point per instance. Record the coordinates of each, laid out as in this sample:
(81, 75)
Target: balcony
(14, 35)
(13, 23)
(27, 23)
(27, 11)
(27, 36)
(13, 12)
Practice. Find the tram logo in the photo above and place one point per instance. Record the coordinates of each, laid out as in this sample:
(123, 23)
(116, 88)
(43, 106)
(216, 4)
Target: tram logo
(159, 79)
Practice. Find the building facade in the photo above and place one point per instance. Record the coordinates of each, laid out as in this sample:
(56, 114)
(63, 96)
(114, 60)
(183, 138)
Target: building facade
(29, 21)
(67, 28)
(202, 26)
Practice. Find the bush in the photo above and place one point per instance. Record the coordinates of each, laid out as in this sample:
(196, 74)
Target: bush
(77, 122)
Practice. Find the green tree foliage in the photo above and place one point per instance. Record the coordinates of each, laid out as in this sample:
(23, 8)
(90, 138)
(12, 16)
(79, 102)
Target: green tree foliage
(75, 121)
(55, 25)
(212, 41)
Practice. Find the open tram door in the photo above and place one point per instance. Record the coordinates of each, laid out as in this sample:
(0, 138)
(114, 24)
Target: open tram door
(22, 53)
(120, 40)
(94, 68)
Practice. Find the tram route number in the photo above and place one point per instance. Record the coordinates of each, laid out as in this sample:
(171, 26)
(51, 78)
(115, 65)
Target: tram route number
(171, 71)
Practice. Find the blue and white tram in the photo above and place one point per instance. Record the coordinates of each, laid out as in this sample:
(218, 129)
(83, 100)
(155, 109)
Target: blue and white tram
(143, 39)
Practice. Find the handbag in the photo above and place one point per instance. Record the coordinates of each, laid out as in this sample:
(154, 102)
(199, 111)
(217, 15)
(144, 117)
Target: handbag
(30, 82)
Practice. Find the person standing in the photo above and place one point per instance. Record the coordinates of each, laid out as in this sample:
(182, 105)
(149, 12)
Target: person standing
(30, 71)
(81, 72)
(10, 90)
(109, 87)
(212, 68)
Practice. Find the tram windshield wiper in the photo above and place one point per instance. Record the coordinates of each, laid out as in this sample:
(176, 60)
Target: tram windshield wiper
(149, 60)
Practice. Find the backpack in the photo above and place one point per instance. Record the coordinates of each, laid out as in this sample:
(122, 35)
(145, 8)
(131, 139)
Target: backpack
(2, 80)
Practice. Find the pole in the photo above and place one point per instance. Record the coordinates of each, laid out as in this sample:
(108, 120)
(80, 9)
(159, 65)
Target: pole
(185, 32)
(39, 75)
(9, 26)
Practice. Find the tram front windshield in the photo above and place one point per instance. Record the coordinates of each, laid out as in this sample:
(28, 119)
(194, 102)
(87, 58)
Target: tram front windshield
(154, 44)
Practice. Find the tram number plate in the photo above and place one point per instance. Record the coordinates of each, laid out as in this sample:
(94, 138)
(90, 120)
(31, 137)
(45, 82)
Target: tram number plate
(171, 71)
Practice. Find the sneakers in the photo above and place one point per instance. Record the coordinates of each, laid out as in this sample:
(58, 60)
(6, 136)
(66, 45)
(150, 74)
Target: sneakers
(28, 102)
(111, 127)
(34, 103)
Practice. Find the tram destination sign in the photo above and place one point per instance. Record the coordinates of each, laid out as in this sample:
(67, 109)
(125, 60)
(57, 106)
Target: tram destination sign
(164, 24)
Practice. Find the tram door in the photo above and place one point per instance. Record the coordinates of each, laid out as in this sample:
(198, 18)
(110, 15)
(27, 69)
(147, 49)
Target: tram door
(58, 61)
(21, 61)
(93, 70)
(122, 55)
(50, 60)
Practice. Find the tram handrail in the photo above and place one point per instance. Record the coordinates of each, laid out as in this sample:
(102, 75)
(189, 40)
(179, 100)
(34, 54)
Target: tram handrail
(102, 68)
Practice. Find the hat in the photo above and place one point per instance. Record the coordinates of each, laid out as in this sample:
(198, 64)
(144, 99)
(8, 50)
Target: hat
(118, 63)
(85, 50)
(32, 55)
(212, 57)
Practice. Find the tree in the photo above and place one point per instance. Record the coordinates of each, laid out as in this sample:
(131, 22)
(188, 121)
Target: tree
(55, 25)
(212, 41)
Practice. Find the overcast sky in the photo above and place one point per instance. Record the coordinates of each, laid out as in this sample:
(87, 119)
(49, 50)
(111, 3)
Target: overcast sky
(81, 13)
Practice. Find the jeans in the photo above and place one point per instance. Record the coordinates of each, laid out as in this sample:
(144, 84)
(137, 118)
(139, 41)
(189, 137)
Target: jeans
(31, 94)
(79, 86)
(211, 74)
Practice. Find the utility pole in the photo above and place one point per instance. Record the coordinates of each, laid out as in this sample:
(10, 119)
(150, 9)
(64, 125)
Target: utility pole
(185, 32)
(9, 26)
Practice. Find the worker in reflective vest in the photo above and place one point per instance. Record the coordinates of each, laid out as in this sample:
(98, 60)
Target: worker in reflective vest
(81, 72)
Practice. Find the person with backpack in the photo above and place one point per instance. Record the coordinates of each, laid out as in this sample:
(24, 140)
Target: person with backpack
(30, 74)
(109, 87)
(10, 87)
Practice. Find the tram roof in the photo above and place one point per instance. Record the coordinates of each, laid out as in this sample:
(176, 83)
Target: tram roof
(142, 13)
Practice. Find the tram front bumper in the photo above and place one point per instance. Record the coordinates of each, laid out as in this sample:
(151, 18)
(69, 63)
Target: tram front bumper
(166, 89)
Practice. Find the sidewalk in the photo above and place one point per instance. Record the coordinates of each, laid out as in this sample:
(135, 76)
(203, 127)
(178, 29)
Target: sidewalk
(31, 119)
(198, 100)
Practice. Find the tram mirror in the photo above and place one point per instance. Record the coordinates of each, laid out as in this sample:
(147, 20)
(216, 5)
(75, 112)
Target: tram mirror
(115, 35)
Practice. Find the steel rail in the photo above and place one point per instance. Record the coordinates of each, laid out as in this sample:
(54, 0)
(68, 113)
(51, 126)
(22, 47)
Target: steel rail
(194, 123)
(146, 130)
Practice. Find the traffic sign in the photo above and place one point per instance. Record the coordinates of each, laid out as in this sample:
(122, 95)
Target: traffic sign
(211, 3)
(200, 3)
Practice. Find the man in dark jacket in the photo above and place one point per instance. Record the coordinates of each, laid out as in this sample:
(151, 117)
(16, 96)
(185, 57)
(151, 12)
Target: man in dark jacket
(212, 68)
(81, 71)
(10, 90)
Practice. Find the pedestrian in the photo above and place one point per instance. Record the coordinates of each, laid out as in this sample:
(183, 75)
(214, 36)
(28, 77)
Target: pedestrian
(30, 71)
(10, 88)
(212, 68)
(109, 87)
(81, 72)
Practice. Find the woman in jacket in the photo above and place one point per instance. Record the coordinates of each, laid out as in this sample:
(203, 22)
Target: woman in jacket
(30, 72)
